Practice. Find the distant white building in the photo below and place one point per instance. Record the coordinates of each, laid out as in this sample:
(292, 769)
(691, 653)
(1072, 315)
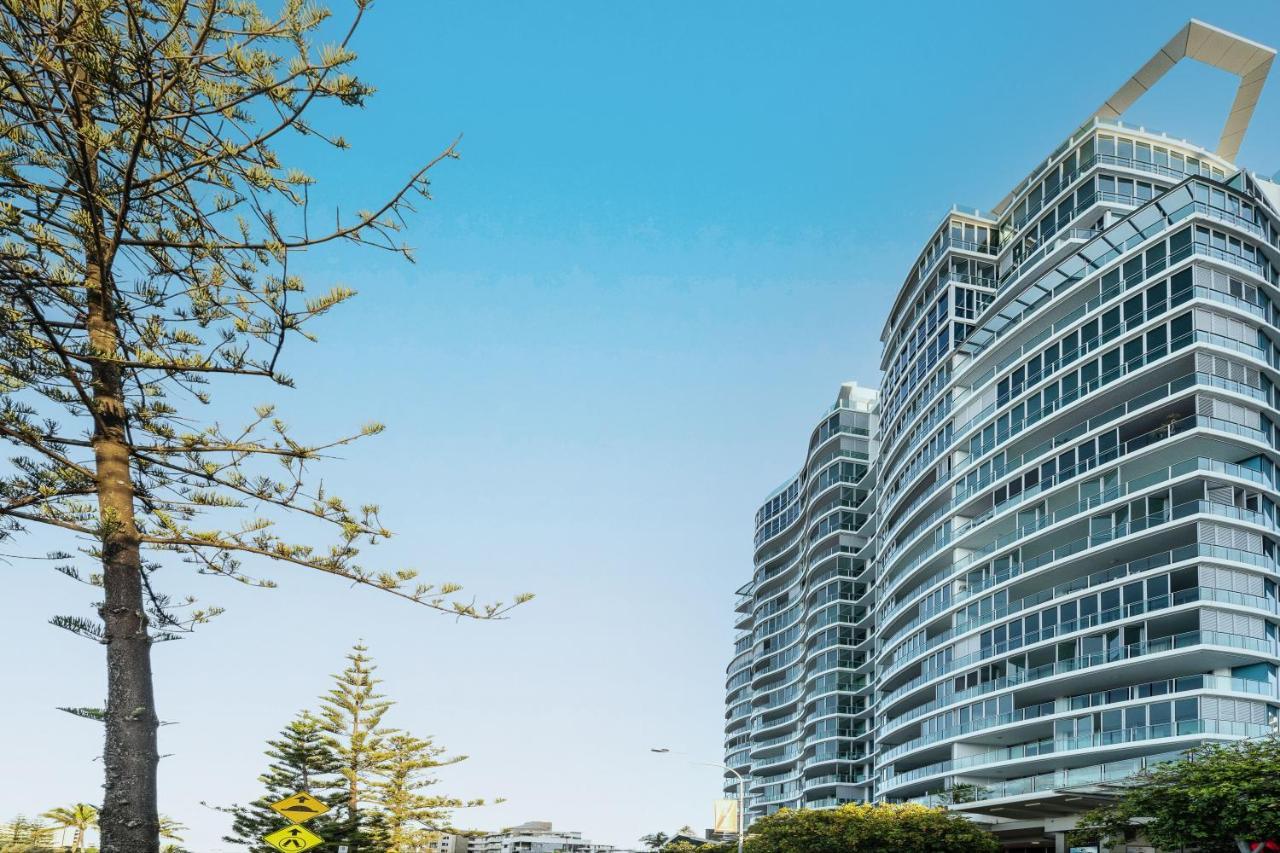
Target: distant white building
(535, 836)
(449, 843)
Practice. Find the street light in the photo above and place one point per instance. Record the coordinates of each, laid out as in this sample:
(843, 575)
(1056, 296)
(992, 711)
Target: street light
(742, 792)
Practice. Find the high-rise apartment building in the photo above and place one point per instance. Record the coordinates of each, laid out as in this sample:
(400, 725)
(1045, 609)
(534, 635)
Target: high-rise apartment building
(1044, 556)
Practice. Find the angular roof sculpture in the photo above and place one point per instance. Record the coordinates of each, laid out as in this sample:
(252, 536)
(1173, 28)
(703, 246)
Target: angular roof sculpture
(1248, 60)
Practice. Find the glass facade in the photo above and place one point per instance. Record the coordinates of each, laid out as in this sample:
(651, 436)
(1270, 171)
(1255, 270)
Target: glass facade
(798, 710)
(1044, 555)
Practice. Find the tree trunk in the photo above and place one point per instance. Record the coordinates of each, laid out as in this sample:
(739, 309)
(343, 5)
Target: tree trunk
(79, 844)
(353, 784)
(130, 823)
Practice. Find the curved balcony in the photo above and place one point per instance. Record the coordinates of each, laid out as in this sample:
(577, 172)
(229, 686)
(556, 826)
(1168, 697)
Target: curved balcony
(1121, 654)
(1008, 541)
(1045, 711)
(1061, 749)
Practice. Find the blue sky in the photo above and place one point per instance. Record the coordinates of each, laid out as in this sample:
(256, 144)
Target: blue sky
(674, 230)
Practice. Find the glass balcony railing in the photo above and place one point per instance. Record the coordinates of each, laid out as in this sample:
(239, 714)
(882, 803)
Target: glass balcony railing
(975, 346)
(828, 757)
(781, 698)
(979, 553)
(1113, 655)
(1199, 464)
(1061, 236)
(1062, 629)
(787, 658)
(1185, 684)
(1050, 746)
(828, 802)
(834, 779)
(964, 493)
(776, 798)
(759, 723)
(774, 741)
(844, 730)
(928, 610)
(787, 755)
(1031, 417)
(1113, 771)
(1061, 592)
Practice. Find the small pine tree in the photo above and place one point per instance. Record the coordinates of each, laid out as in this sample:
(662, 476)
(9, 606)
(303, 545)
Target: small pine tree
(301, 760)
(351, 718)
(26, 835)
(413, 818)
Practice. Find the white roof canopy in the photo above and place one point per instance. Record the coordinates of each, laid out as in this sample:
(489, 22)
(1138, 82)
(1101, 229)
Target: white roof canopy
(1248, 60)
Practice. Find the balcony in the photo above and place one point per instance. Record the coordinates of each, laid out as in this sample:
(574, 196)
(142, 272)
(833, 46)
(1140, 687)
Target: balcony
(1158, 645)
(1059, 746)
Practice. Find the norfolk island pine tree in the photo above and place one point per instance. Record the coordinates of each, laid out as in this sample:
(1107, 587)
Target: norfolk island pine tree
(143, 254)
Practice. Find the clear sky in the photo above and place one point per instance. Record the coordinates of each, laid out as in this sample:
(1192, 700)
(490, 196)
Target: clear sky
(675, 229)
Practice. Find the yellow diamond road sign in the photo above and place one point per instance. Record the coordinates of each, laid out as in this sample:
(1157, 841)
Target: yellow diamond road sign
(300, 807)
(293, 839)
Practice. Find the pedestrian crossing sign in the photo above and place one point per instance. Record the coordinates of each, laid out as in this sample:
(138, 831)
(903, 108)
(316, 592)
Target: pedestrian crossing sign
(293, 839)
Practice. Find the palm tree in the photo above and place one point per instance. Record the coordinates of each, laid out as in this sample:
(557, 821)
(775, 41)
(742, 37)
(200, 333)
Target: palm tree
(654, 840)
(81, 817)
(169, 828)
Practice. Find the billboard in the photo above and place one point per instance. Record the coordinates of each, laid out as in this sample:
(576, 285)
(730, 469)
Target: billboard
(726, 816)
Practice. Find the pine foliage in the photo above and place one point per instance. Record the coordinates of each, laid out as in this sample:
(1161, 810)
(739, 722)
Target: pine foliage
(376, 780)
(300, 760)
(26, 835)
(148, 226)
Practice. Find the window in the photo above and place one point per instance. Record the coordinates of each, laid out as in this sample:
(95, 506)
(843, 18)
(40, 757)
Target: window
(1068, 611)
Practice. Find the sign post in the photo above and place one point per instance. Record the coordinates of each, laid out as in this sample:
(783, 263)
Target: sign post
(297, 809)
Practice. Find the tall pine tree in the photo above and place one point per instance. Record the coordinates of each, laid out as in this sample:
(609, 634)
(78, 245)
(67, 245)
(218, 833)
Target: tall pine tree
(301, 760)
(373, 778)
(147, 223)
(351, 718)
(413, 818)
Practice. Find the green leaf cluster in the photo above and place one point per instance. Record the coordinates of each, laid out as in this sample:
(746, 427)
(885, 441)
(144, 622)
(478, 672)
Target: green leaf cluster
(864, 828)
(1220, 793)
